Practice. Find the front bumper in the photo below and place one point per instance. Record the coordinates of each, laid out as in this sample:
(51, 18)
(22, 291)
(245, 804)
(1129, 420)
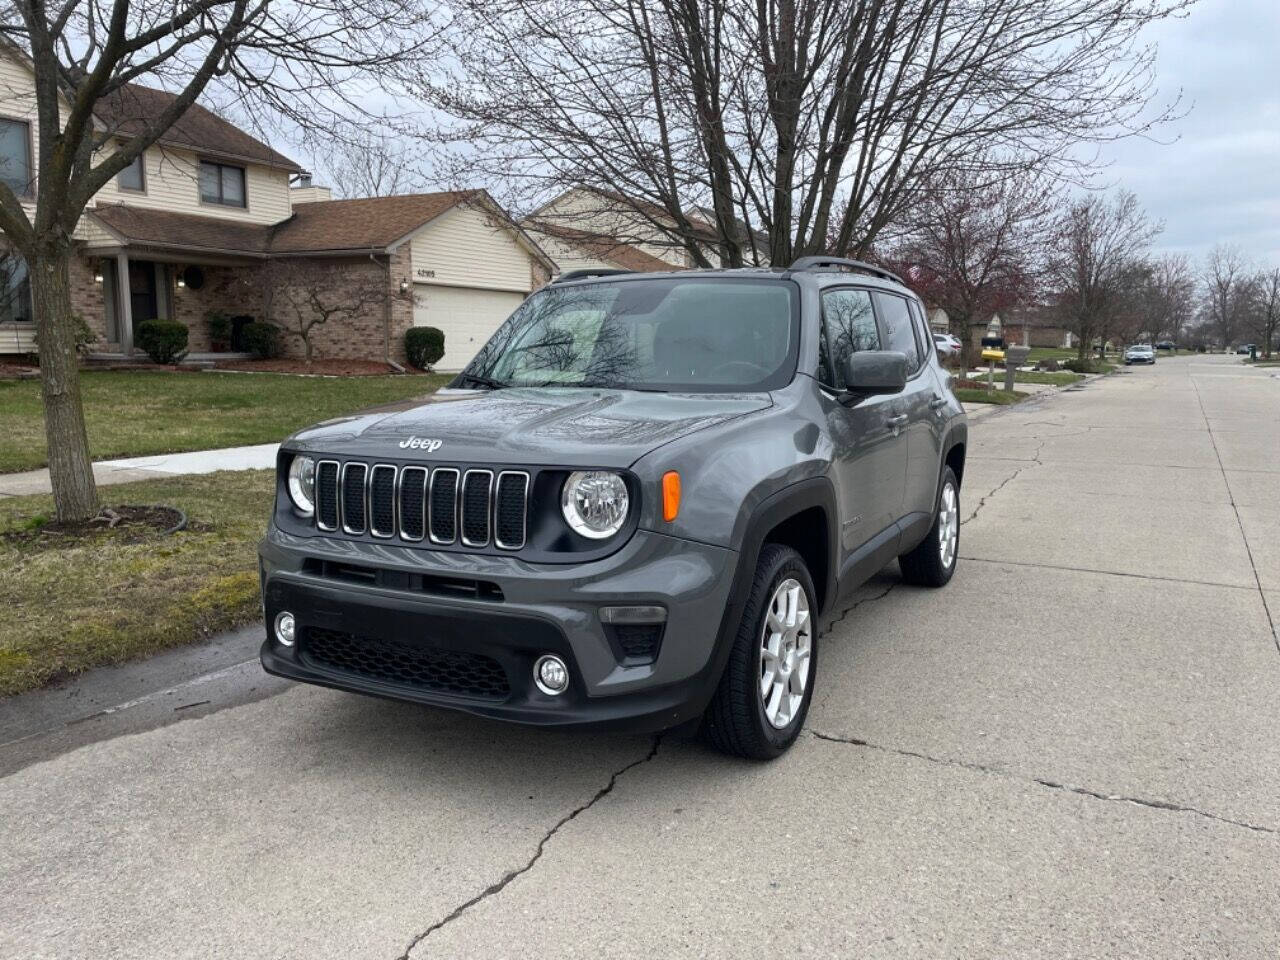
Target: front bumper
(389, 638)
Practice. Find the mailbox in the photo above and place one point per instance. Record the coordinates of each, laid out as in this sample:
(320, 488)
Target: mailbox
(994, 343)
(991, 353)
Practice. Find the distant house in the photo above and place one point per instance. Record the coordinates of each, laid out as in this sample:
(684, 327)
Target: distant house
(187, 229)
(592, 228)
(1030, 326)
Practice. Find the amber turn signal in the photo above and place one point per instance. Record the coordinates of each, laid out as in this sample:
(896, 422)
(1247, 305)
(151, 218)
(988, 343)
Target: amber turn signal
(670, 495)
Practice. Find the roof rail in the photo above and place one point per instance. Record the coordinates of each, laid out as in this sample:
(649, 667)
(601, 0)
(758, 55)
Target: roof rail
(584, 274)
(820, 263)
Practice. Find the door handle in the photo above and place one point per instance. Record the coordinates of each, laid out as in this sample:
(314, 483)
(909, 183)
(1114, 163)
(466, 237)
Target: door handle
(937, 403)
(896, 422)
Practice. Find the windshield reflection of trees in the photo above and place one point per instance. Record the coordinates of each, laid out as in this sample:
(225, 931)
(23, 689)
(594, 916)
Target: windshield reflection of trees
(658, 334)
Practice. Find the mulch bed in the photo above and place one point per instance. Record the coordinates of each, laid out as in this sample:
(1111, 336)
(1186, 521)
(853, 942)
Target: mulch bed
(18, 371)
(318, 368)
(130, 523)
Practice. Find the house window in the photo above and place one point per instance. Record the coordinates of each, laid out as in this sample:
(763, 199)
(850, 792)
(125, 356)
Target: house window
(15, 155)
(133, 177)
(15, 290)
(221, 184)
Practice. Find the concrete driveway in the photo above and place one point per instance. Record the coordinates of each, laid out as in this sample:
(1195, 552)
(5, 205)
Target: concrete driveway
(1074, 750)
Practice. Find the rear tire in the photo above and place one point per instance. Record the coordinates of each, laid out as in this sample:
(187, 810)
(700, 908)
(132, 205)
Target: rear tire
(933, 561)
(776, 646)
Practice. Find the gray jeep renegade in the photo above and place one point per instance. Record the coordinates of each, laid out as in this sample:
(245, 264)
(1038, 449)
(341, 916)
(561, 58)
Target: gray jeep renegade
(636, 507)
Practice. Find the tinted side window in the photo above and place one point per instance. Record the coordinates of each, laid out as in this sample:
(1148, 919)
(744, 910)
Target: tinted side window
(850, 324)
(924, 336)
(898, 333)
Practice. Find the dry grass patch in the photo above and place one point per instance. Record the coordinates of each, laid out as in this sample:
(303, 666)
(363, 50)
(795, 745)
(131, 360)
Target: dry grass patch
(115, 595)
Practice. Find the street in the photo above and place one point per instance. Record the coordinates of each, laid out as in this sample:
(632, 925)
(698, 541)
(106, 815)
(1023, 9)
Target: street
(1072, 750)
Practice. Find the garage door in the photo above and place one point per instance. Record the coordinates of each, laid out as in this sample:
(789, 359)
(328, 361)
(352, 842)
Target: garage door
(467, 315)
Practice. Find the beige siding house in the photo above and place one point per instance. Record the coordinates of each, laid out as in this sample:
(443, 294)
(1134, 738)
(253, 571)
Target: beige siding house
(586, 228)
(189, 229)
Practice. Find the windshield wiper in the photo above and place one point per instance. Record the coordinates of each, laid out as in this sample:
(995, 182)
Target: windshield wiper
(480, 381)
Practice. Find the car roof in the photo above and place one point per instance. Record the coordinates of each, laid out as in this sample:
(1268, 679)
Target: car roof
(822, 277)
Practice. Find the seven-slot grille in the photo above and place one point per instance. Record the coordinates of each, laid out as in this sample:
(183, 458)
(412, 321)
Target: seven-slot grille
(446, 505)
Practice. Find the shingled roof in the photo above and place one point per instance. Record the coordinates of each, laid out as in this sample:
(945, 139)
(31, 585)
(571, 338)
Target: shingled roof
(325, 226)
(366, 223)
(128, 110)
(184, 230)
(604, 248)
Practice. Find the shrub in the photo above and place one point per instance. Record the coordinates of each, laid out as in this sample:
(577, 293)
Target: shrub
(261, 339)
(219, 325)
(1076, 365)
(164, 341)
(423, 346)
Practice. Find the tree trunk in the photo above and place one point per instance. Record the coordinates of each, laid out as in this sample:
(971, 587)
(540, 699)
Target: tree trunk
(75, 495)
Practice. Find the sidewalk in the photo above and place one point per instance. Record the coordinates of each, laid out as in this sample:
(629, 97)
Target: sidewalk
(262, 456)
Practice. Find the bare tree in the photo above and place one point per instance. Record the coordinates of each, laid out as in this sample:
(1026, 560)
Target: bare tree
(1097, 246)
(304, 294)
(1226, 291)
(1168, 297)
(971, 244)
(293, 60)
(373, 164)
(1262, 318)
(807, 119)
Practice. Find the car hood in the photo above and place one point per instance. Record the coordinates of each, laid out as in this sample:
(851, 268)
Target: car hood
(537, 426)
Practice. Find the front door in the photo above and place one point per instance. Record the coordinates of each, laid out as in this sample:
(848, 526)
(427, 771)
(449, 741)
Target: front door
(869, 461)
(143, 300)
(915, 406)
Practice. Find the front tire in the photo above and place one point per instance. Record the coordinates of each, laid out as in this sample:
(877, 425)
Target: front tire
(764, 694)
(933, 562)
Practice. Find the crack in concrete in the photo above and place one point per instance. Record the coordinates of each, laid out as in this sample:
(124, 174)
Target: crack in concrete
(497, 887)
(1106, 573)
(1043, 782)
(1027, 465)
(848, 610)
(1275, 637)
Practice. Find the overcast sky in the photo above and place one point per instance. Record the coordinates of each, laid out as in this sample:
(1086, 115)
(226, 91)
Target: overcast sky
(1220, 182)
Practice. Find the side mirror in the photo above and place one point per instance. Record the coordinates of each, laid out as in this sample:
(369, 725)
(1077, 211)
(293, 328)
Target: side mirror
(871, 372)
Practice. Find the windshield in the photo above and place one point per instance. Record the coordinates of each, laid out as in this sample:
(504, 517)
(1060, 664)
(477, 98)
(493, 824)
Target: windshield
(669, 334)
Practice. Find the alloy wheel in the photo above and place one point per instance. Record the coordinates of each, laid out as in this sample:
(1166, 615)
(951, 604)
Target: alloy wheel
(948, 525)
(785, 649)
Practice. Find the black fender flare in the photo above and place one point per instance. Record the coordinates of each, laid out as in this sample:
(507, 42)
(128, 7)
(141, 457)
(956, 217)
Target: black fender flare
(774, 509)
(957, 432)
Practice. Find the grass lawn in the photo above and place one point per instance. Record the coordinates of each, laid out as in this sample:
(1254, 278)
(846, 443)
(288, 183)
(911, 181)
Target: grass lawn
(135, 413)
(118, 595)
(999, 396)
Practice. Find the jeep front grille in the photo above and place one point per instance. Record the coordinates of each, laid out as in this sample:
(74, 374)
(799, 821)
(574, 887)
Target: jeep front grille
(446, 505)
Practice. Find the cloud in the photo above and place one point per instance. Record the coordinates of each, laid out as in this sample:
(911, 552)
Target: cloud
(1220, 180)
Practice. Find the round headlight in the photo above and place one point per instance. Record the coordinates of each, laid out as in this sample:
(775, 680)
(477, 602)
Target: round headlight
(302, 484)
(594, 503)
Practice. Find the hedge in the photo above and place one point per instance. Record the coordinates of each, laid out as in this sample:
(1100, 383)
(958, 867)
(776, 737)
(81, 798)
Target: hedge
(261, 339)
(423, 346)
(164, 341)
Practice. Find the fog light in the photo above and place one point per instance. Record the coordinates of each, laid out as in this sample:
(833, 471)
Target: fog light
(551, 675)
(285, 629)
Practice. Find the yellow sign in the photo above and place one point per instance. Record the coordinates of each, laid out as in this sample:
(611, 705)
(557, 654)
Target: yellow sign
(992, 354)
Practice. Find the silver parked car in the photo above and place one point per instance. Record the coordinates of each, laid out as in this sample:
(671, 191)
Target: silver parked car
(1139, 353)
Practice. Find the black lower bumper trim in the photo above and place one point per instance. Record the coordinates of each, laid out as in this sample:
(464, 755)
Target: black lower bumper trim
(424, 653)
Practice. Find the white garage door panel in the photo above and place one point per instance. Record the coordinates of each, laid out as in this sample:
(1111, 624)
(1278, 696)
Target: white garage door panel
(467, 315)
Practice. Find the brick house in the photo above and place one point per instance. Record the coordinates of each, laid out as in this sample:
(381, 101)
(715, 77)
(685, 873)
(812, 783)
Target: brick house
(195, 224)
(1029, 326)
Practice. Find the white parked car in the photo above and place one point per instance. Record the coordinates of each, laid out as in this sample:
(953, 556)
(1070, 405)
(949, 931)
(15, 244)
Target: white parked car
(947, 344)
(1139, 353)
